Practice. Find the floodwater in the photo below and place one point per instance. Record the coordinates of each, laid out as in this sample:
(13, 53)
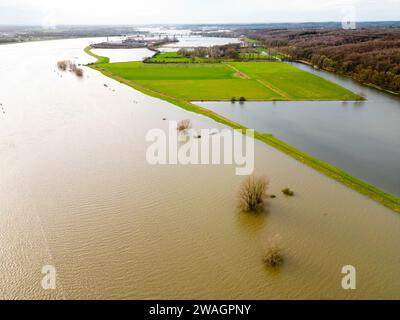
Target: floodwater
(77, 193)
(194, 41)
(124, 55)
(360, 137)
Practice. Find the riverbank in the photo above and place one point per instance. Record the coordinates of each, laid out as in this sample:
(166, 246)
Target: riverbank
(100, 59)
(372, 192)
(38, 39)
(371, 85)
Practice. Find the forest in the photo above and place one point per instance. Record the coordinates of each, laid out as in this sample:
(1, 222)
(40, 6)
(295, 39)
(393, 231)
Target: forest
(370, 56)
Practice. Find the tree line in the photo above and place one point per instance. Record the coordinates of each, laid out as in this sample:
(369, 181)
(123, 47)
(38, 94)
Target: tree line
(229, 51)
(370, 56)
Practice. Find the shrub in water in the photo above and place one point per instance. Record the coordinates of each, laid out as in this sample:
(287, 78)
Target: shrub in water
(79, 72)
(184, 125)
(252, 196)
(288, 192)
(62, 65)
(273, 255)
(66, 64)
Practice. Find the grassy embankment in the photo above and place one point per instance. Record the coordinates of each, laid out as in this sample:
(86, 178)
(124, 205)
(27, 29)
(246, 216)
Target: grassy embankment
(100, 59)
(380, 196)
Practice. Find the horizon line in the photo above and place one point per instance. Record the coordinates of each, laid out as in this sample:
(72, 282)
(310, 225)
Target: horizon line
(194, 24)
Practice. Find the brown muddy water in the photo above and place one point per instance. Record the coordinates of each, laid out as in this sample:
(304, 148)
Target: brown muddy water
(76, 192)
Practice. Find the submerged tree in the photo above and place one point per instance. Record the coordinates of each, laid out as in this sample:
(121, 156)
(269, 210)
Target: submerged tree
(62, 65)
(79, 72)
(288, 192)
(183, 125)
(273, 255)
(252, 196)
(72, 67)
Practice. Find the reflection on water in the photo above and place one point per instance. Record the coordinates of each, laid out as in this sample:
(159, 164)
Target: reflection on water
(76, 192)
(252, 222)
(360, 137)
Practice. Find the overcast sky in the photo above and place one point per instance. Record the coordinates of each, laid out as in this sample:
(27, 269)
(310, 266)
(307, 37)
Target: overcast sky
(53, 12)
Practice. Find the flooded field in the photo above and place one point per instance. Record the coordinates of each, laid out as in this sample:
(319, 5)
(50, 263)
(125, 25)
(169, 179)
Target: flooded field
(77, 192)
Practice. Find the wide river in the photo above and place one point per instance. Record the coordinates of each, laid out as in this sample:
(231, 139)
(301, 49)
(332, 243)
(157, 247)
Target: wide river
(77, 193)
(360, 137)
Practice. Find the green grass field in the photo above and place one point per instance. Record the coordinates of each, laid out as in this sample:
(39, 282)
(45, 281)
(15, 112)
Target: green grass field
(293, 83)
(216, 89)
(183, 71)
(169, 57)
(249, 40)
(222, 81)
(174, 57)
(254, 56)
